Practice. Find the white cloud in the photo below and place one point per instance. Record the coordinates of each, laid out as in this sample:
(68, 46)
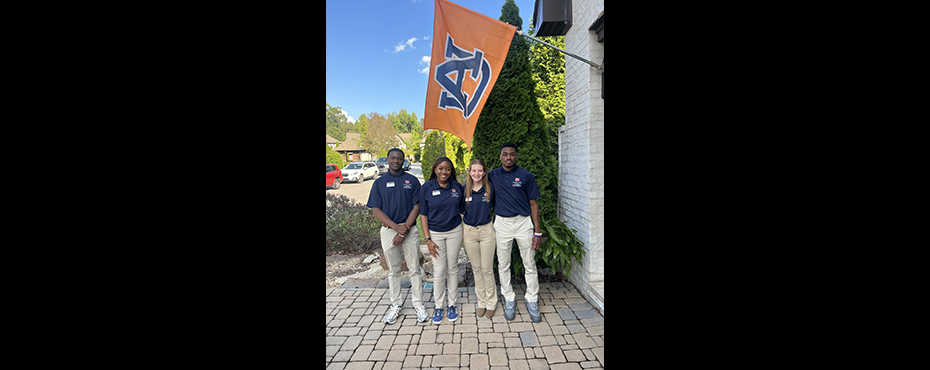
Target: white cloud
(351, 120)
(424, 60)
(404, 44)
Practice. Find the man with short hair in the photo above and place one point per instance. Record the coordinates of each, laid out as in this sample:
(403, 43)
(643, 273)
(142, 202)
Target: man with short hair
(394, 200)
(514, 201)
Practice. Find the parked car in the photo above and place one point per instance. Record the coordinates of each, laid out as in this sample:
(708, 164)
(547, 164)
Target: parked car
(359, 171)
(406, 165)
(333, 176)
(382, 165)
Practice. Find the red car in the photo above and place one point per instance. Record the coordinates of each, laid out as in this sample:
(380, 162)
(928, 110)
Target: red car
(333, 176)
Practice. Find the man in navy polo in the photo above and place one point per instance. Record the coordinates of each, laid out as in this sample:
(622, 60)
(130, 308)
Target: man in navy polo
(394, 200)
(514, 201)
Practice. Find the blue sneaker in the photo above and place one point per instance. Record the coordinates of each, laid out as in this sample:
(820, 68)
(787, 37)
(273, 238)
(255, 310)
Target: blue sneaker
(534, 311)
(453, 314)
(510, 310)
(437, 316)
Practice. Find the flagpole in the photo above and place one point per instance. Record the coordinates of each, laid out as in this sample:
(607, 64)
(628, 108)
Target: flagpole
(600, 68)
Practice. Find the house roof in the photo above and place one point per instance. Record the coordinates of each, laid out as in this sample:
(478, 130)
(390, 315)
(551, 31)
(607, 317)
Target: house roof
(331, 140)
(350, 144)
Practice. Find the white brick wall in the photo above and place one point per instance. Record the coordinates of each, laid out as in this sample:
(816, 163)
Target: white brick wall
(581, 150)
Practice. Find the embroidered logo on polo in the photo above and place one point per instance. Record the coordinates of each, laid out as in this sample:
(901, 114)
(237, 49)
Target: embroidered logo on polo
(458, 61)
(407, 184)
(517, 183)
(454, 194)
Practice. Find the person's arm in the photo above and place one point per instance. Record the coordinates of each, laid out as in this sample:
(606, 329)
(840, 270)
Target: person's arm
(537, 227)
(401, 229)
(387, 222)
(424, 223)
(407, 225)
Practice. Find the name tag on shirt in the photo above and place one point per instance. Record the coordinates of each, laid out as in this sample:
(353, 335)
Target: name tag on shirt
(468, 199)
(390, 184)
(435, 192)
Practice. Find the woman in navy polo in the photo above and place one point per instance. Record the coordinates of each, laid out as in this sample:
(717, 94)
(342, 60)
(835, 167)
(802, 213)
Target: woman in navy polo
(442, 203)
(480, 236)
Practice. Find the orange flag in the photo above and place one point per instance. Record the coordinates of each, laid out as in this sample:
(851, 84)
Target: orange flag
(468, 53)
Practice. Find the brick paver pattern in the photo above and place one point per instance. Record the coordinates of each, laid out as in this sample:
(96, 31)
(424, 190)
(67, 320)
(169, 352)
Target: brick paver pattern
(570, 335)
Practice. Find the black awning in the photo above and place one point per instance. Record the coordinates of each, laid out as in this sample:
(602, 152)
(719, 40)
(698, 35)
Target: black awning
(552, 17)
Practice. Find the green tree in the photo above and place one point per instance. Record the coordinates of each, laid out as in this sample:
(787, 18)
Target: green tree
(457, 151)
(361, 124)
(549, 74)
(380, 135)
(512, 114)
(403, 121)
(333, 157)
(337, 124)
(413, 144)
(433, 148)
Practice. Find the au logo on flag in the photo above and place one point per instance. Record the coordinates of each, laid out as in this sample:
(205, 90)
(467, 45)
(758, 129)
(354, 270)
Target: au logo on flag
(457, 62)
(469, 49)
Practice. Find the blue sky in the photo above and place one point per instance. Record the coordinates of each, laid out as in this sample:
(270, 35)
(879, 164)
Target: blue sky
(375, 51)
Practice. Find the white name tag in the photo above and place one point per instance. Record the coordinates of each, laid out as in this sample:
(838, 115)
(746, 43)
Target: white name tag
(468, 199)
(390, 184)
(435, 192)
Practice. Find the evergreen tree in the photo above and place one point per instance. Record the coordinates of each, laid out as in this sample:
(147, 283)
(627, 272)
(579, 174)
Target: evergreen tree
(433, 148)
(512, 114)
(549, 73)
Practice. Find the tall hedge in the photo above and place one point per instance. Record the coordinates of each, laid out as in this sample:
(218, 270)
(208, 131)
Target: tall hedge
(433, 148)
(512, 114)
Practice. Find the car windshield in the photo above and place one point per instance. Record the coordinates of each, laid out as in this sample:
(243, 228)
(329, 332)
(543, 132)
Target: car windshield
(382, 159)
(353, 166)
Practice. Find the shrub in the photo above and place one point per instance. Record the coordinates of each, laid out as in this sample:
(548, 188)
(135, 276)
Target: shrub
(562, 247)
(333, 157)
(350, 226)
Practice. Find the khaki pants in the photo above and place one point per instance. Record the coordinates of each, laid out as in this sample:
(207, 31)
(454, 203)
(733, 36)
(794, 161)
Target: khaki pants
(480, 246)
(446, 267)
(519, 228)
(411, 248)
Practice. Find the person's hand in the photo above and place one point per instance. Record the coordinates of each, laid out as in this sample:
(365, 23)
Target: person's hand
(536, 242)
(433, 251)
(398, 240)
(401, 228)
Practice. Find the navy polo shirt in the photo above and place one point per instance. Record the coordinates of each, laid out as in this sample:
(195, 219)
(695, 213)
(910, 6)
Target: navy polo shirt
(513, 190)
(395, 195)
(443, 206)
(478, 211)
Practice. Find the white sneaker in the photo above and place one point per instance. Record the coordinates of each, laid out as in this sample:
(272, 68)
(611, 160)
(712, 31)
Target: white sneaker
(391, 316)
(421, 314)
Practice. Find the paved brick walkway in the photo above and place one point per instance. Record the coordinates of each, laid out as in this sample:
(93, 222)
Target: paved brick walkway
(570, 336)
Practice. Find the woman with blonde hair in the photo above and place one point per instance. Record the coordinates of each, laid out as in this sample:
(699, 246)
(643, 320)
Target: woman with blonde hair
(480, 237)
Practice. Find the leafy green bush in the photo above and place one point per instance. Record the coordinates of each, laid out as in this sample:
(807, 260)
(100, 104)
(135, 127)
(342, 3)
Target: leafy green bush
(562, 246)
(350, 226)
(333, 157)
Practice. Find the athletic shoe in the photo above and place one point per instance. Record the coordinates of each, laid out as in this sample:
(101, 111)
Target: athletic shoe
(437, 316)
(510, 310)
(453, 314)
(534, 311)
(421, 314)
(391, 316)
